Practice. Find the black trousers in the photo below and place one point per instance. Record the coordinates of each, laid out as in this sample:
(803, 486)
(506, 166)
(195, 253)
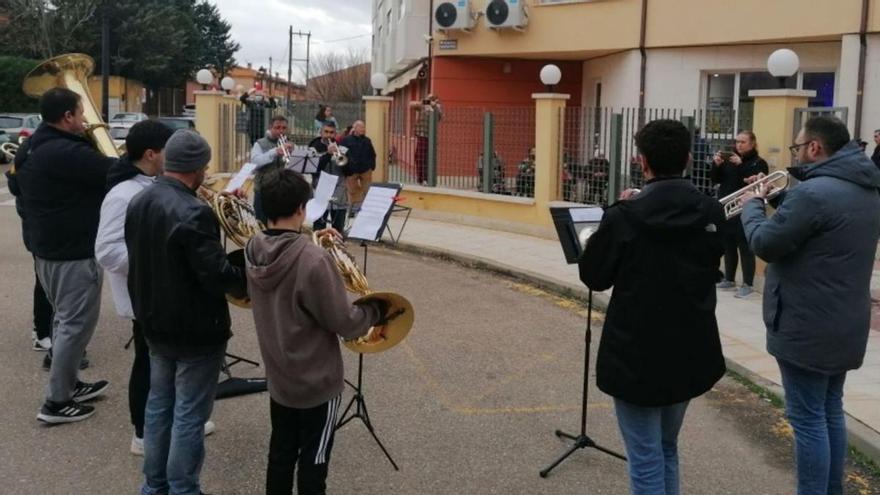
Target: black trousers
(43, 314)
(139, 381)
(303, 438)
(734, 238)
(337, 220)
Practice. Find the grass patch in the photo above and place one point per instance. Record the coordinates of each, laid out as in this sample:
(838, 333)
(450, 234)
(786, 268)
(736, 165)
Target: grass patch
(774, 399)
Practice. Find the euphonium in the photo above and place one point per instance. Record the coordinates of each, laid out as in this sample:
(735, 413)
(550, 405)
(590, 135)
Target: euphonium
(72, 71)
(400, 311)
(731, 202)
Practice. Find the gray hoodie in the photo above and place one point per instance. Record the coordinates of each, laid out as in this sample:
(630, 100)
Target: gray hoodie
(301, 307)
(820, 247)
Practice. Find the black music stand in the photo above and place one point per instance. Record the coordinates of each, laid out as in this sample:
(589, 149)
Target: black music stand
(230, 359)
(357, 406)
(571, 224)
(303, 161)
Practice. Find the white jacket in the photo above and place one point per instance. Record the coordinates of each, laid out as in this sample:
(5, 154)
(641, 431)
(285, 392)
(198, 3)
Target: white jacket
(110, 250)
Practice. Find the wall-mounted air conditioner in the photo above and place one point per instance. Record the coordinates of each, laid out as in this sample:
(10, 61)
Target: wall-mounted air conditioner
(502, 14)
(454, 15)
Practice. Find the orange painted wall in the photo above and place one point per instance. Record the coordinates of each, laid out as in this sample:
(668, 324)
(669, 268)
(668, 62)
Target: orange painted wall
(481, 82)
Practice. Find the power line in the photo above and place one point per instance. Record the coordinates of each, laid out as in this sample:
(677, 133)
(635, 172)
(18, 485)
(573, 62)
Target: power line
(344, 39)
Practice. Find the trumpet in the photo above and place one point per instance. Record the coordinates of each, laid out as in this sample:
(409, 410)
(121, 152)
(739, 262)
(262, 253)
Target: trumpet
(778, 180)
(282, 144)
(9, 150)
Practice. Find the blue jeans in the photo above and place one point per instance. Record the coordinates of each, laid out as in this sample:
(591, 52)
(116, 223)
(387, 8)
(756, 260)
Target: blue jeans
(650, 435)
(180, 402)
(814, 406)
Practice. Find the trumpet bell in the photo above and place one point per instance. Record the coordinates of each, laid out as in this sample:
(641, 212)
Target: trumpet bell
(384, 337)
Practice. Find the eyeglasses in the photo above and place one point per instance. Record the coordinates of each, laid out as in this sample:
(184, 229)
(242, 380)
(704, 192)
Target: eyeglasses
(796, 146)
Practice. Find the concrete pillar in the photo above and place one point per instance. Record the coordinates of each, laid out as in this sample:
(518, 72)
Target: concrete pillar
(848, 78)
(774, 122)
(376, 120)
(548, 134)
(208, 122)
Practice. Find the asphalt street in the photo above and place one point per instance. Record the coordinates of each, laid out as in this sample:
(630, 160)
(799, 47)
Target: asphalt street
(468, 404)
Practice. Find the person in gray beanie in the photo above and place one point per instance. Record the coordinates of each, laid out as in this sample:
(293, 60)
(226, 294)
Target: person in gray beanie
(178, 275)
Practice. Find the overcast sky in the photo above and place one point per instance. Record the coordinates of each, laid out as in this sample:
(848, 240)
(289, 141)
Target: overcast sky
(261, 28)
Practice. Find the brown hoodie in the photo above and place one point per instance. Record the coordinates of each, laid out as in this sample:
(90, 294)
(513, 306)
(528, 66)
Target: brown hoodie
(300, 309)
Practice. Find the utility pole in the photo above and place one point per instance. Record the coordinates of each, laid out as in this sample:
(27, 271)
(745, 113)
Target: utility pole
(271, 82)
(308, 36)
(289, 71)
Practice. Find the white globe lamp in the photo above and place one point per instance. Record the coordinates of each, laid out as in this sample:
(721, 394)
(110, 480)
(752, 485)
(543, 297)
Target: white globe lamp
(227, 83)
(783, 63)
(204, 77)
(378, 81)
(550, 76)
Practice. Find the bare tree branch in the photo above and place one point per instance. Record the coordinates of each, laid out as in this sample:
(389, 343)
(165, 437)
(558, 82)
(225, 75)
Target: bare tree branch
(342, 76)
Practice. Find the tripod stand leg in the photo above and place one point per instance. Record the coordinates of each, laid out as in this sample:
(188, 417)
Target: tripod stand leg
(544, 472)
(344, 420)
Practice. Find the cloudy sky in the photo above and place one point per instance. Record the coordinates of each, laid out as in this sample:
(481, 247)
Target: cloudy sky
(261, 28)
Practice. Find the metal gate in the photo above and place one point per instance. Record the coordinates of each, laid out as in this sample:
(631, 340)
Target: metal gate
(801, 115)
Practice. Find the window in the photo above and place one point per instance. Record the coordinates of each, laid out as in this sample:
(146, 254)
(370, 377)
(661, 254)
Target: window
(823, 84)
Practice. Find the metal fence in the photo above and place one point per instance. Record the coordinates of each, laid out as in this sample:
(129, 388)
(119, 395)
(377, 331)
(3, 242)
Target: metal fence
(599, 156)
(449, 148)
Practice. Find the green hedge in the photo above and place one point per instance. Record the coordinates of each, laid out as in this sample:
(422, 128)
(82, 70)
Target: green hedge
(12, 72)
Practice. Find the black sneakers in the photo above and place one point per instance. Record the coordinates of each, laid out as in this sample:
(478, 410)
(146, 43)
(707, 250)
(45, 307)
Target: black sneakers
(88, 391)
(65, 412)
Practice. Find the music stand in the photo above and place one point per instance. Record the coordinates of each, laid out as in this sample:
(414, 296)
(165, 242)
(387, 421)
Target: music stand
(573, 225)
(368, 227)
(303, 161)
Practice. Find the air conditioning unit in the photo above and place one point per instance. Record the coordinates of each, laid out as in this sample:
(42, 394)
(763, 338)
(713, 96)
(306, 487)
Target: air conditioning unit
(507, 14)
(454, 15)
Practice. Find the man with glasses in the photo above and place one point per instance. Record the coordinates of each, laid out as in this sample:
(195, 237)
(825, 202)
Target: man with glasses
(325, 145)
(820, 247)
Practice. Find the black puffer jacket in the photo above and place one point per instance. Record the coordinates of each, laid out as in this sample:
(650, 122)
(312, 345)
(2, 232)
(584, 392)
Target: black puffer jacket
(177, 269)
(62, 178)
(361, 154)
(732, 178)
(660, 251)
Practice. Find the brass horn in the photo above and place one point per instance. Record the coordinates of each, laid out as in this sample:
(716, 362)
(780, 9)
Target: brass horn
(9, 150)
(731, 203)
(72, 71)
(400, 311)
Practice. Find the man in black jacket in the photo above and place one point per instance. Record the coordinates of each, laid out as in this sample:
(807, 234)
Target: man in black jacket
(660, 347)
(875, 156)
(361, 163)
(62, 183)
(177, 277)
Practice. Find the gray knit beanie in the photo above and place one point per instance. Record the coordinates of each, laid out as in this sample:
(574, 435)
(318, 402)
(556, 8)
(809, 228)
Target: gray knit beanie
(186, 151)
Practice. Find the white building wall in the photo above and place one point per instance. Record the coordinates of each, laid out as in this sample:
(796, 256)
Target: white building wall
(675, 77)
(399, 39)
(871, 100)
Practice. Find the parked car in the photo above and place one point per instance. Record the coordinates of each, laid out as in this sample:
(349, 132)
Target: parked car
(127, 119)
(189, 110)
(20, 125)
(176, 123)
(6, 138)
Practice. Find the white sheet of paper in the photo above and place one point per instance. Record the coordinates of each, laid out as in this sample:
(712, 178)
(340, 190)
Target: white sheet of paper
(238, 179)
(586, 214)
(370, 218)
(316, 206)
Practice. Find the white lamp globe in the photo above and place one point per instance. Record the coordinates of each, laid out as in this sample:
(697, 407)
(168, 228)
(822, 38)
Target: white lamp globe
(551, 75)
(227, 83)
(783, 63)
(378, 81)
(204, 76)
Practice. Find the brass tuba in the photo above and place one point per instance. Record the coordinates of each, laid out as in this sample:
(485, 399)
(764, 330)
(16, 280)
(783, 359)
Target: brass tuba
(400, 311)
(72, 71)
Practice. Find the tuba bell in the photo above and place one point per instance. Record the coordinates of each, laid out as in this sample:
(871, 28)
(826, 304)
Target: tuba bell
(72, 71)
(400, 311)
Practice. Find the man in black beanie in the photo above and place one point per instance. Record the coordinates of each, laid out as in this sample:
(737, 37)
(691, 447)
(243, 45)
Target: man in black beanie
(177, 278)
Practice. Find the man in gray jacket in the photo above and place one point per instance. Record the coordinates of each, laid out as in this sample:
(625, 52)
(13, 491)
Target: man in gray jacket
(820, 247)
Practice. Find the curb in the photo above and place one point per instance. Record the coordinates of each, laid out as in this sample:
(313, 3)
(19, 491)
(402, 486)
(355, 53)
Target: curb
(861, 436)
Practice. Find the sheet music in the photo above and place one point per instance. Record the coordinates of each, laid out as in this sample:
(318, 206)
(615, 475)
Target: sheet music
(238, 180)
(586, 214)
(371, 218)
(316, 206)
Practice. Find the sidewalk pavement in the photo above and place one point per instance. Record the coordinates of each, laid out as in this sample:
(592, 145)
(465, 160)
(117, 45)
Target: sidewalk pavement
(739, 320)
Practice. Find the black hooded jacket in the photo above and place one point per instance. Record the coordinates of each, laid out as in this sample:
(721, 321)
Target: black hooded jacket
(121, 171)
(660, 251)
(62, 178)
(732, 178)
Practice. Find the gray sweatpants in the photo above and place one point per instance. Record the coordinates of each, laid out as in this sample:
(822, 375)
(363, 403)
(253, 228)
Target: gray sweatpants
(74, 289)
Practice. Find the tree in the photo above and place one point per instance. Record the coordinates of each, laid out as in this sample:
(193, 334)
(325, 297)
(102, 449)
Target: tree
(42, 28)
(342, 77)
(217, 47)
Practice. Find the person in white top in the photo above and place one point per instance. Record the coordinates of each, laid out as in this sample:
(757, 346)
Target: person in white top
(145, 159)
(267, 153)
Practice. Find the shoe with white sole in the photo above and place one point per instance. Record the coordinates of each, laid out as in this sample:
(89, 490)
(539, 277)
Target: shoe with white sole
(209, 427)
(65, 412)
(42, 345)
(88, 391)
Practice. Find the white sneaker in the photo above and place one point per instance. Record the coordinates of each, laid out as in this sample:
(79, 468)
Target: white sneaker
(209, 427)
(137, 445)
(42, 345)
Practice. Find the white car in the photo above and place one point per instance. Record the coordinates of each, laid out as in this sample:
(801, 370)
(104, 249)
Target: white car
(119, 133)
(127, 119)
